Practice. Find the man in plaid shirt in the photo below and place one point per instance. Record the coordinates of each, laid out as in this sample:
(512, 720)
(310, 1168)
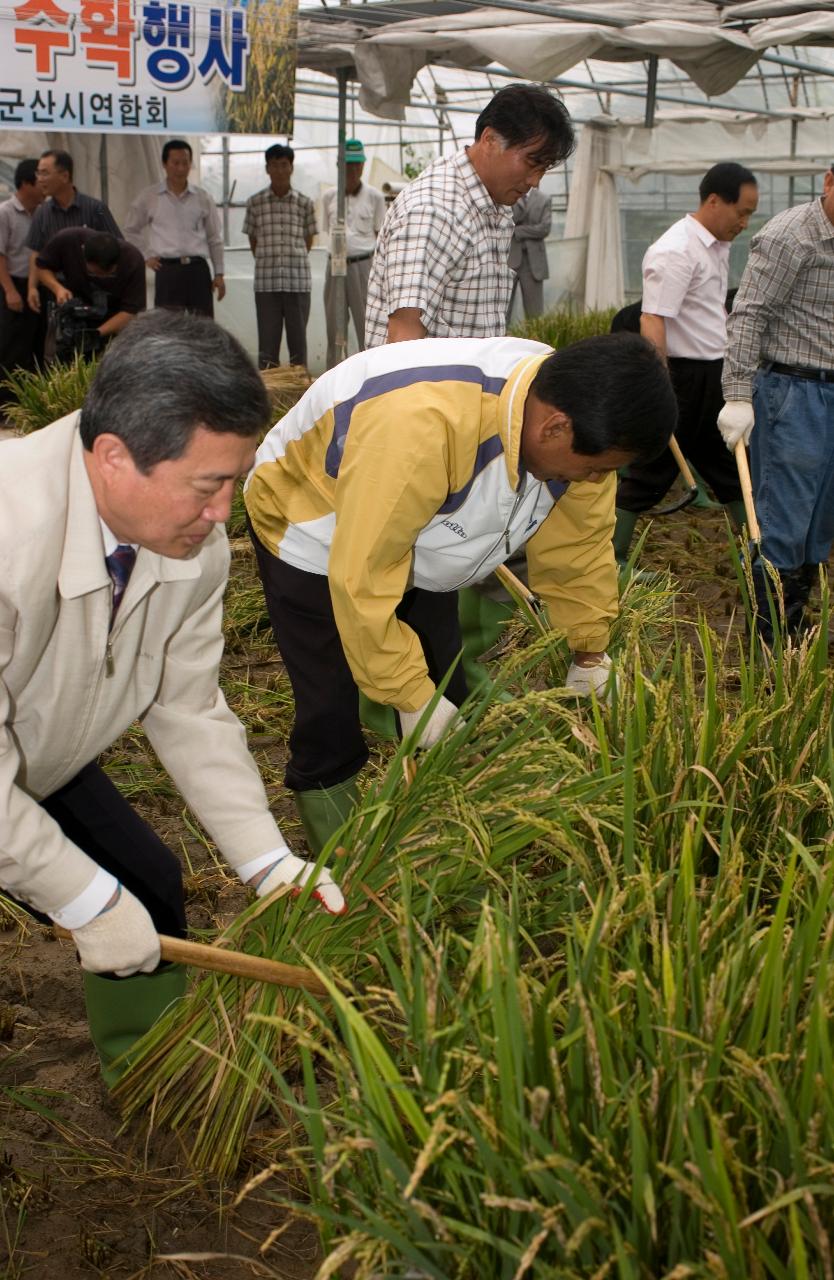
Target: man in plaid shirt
(440, 268)
(281, 224)
(779, 378)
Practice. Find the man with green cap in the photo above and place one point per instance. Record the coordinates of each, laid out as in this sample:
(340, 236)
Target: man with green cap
(364, 212)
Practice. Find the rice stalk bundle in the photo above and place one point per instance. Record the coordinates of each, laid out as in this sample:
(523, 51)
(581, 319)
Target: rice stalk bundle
(460, 834)
(285, 385)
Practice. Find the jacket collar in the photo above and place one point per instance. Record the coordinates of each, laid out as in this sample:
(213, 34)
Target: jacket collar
(511, 403)
(82, 562)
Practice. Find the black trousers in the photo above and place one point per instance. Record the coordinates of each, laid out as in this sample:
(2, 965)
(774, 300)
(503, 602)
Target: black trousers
(185, 286)
(700, 399)
(92, 812)
(274, 311)
(326, 743)
(21, 336)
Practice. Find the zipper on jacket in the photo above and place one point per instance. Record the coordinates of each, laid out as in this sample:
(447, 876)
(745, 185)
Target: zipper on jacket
(505, 536)
(108, 658)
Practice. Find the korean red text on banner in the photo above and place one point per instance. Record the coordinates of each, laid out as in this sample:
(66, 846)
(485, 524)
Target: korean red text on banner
(47, 36)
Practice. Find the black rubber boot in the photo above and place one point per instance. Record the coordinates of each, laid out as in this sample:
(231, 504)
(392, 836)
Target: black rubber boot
(766, 599)
(796, 588)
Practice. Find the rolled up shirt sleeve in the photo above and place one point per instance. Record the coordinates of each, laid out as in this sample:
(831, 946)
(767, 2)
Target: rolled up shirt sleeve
(421, 251)
(666, 281)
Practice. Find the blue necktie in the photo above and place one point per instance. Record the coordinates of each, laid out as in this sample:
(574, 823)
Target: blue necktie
(119, 565)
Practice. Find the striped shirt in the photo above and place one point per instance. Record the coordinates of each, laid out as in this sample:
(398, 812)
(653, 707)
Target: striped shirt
(14, 228)
(784, 309)
(82, 211)
(162, 224)
(443, 249)
(282, 225)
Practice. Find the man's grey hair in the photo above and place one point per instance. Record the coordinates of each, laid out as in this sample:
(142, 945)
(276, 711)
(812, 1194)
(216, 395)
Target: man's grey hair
(165, 375)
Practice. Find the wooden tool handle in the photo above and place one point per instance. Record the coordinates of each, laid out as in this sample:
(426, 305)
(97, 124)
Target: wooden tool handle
(237, 963)
(510, 582)
(683, 465)
(747, 492)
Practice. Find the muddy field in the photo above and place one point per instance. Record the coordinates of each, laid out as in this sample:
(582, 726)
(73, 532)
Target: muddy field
(79, 1194)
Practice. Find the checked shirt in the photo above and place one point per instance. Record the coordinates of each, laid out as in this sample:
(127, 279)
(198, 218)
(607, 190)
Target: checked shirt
(443, 249)
(784, 307)
(281, 225)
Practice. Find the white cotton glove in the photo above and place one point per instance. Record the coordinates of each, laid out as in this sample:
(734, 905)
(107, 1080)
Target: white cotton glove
(121, 939)
(587, 680)
(735, 422)
(444, 716)
(295, 871)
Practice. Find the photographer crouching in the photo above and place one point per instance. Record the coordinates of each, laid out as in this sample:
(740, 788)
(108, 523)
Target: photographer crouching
(99, 286)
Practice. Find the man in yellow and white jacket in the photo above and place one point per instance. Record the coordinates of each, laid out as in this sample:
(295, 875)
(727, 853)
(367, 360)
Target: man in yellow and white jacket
(416, 468)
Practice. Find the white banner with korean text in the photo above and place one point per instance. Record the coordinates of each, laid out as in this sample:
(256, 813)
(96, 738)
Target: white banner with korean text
(149, 66)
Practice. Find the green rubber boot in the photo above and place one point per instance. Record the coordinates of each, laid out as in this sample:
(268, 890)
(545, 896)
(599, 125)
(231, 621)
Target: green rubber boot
(121, 1010)
(624, 528)
(481, 622)
(737, 514)
(380, 719)
(323, 811)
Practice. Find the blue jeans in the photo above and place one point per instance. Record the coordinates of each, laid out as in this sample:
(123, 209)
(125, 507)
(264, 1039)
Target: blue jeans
(792, 457)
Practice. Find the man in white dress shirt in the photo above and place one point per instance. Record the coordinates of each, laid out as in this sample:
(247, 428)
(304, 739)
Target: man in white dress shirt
(685, 275)
(364, 213)
(177, 228)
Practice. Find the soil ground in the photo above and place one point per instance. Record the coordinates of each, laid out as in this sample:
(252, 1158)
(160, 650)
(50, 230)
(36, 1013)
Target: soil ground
(82, 1196)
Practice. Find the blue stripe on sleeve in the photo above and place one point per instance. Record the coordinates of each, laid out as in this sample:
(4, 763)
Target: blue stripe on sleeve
(395, 381)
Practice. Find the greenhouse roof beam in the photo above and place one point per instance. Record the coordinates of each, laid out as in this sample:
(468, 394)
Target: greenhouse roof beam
(811, 67)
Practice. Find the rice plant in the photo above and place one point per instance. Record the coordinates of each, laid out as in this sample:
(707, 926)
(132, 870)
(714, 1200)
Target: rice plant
(651, 1100)
(667, 866)
(562, 327)
(43, 396)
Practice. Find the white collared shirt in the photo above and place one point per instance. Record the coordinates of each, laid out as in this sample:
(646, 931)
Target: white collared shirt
(162, 224)
(15, 222)
(364, 216)
(685, 275)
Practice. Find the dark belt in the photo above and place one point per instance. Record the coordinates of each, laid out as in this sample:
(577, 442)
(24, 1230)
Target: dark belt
(360, 257)
(181, 262)
(792, 371)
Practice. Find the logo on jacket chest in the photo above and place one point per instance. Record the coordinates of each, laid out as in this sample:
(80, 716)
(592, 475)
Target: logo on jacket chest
(455, 528)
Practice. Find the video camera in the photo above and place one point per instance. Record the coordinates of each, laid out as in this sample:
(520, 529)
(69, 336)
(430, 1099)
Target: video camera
(76, 326)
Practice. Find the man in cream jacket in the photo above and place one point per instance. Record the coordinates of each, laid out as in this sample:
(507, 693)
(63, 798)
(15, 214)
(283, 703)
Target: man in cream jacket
(113, 565)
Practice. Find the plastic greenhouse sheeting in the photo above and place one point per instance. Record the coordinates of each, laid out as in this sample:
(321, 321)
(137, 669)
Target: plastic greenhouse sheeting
(679, 142)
